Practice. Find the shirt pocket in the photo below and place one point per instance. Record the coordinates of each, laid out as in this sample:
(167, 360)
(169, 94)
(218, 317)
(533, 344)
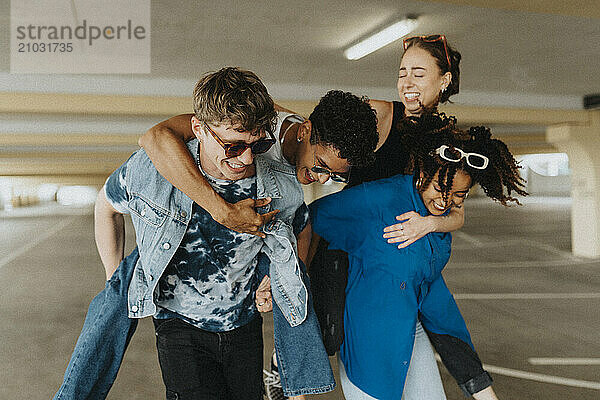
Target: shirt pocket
(147, 212)
(147, 219)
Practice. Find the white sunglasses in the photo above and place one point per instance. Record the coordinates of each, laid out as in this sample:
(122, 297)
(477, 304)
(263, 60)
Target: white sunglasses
(454, 154)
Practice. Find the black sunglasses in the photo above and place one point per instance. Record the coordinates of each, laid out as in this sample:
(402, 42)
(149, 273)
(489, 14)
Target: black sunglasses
(334, 176)
(237, 149)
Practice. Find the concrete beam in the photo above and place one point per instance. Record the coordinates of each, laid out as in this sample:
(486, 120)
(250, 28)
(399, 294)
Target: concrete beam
(67, 139)
(42, 157)
(470, 115)
(58, 103)
(40, 167)
(62, 180)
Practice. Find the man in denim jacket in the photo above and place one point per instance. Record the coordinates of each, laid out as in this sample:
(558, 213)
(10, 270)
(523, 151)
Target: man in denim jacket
(193, 275)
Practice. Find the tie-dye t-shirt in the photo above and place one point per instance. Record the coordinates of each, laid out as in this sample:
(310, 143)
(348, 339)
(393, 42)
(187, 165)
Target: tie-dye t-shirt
(210, 280)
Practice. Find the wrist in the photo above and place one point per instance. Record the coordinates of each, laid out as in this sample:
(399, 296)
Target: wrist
(432, 224)
(219, 209)
(480, 387)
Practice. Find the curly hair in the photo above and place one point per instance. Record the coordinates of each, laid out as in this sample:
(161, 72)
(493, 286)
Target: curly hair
(348, 123)
(500, 180)
(235, 96)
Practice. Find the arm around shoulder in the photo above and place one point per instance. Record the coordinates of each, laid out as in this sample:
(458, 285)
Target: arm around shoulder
(413, 226)
(165, 146)
(451, 222)
(178, 126)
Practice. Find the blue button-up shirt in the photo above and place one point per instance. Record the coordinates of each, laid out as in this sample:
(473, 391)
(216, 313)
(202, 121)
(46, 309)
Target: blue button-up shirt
(388, 288)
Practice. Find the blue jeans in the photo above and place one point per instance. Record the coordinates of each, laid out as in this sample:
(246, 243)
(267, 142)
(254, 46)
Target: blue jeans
(303, 363)
(104, 337)
(423, 379)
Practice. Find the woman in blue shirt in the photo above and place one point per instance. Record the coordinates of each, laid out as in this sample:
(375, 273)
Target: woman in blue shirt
(389, 290)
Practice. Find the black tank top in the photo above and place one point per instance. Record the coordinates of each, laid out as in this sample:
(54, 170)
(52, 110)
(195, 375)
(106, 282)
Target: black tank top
(390, 159)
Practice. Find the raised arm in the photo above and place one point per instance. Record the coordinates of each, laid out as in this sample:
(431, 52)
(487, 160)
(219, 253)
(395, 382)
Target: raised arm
(109, 231)
(165, 146)
(413, 226)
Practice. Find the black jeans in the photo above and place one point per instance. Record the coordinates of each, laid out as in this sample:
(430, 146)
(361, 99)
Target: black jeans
(198, 364)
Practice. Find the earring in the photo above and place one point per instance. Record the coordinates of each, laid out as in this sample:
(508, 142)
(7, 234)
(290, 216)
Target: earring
(299, 139)
(419, 183)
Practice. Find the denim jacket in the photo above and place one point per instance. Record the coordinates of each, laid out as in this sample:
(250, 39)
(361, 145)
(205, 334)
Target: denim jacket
(288, 289)
(160, 214)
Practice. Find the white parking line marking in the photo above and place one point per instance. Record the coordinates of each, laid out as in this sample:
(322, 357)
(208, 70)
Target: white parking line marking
(472, 239)
(525, 296)
(532, 376)
(551, 249)
(556, 380)
(524, 264)
(469, 238)
(35, 241)
(563, 361)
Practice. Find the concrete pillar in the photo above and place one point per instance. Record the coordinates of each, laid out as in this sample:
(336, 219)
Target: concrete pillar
(582, 145)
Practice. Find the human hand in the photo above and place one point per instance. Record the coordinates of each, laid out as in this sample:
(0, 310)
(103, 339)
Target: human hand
(485, 394)
(413, 228)
(242, 216)
(263, 298)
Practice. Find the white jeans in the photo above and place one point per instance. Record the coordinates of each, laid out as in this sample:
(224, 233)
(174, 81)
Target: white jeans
(423, 379)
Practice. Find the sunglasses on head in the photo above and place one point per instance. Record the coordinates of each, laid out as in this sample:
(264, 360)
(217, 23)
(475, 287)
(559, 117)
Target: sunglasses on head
(454, 154)
(429, 39)
(237, 149)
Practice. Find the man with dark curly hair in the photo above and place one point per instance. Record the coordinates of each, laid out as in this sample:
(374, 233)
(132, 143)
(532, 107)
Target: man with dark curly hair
(340, 132)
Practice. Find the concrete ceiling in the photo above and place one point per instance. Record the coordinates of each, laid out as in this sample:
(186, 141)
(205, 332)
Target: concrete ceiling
(291, 41)
(516, 53)
(507, 46)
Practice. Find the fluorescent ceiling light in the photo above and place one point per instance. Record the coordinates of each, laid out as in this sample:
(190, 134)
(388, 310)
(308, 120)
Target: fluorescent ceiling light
(381, 38)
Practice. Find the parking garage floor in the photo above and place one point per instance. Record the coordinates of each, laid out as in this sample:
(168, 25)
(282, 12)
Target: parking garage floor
(533, 309)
